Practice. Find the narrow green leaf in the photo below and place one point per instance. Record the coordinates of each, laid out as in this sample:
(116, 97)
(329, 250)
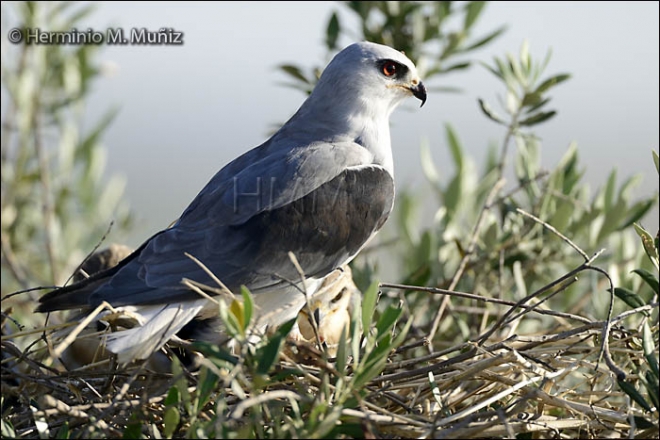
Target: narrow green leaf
(655, 160)
(443, 10)
(648, 345)
(642, 423)
(454, 193)
(629, 297)
(369, 300)
(428, 166)
(332, 32)
(649, 244)
(357, 332)
(636, 212)
(485, 40)
(63, 433)
(205, 386)
(284, 329)
(133, 430)
(435, 391)
(489, 237)
(492, 70)
(538, 118)
(455, 147)
(613, 218)
(361, 8)
(248, 307)
(472, 12)
(610, 187)
(457, 66)
(425, 249)
(531, 99)
(398, 340)
(628, 185)
(537, 106)
(387, 321)
(506, 73)
(295, 72)
(373, 363)
(517, 70)
(173, 397)
(342, 350)
(489, 112)
(630, 390)
(651, 385)
(649, 278)
(171, 420)
(268, 355)
(562, 216)
(237, 314)
(181, 383)
(551, 82)
(216, 354)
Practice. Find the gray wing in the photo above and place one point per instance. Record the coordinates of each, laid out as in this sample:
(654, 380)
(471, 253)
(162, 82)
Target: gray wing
(321, 202)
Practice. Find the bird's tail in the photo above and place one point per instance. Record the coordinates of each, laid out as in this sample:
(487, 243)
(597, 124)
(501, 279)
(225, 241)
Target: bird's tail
(74, 296)
(160, 324)
(77, 295)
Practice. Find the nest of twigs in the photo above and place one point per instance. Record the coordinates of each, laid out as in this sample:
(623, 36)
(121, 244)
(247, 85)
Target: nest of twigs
(500, 383)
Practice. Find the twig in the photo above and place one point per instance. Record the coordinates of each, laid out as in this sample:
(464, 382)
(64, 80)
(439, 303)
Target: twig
(310, 312)
(555, 231)
(71, 337)
(238, 411)
(89, 255)
(532, 307)
(523, 183)
(192, 285)
(605, 350)
(607, 327)
(60, 407)
(210, 273)
(472, 296)
(31, 289)
(481, 339)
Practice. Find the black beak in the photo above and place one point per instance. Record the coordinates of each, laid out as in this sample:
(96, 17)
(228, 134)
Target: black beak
(420, 92)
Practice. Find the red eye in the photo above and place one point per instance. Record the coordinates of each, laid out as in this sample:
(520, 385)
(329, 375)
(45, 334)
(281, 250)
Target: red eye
(390, 68)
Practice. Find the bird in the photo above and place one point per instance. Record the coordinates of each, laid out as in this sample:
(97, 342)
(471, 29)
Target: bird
(329, 310)
(318, 190)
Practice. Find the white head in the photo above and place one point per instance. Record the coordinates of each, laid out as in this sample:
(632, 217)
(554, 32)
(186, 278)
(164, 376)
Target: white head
(370, 75)
(355, 96)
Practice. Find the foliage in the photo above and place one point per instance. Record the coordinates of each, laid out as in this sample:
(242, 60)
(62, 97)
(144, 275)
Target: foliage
(56, 203)
(487, 238)
(424, 31)
(646, 393)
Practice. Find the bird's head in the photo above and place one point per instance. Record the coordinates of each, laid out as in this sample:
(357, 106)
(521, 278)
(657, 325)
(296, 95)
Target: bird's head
(371, 73)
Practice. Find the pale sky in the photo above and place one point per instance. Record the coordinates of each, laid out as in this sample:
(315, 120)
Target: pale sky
(188, 110)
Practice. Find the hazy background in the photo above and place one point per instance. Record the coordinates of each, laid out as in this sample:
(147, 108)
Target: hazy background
(188, 110)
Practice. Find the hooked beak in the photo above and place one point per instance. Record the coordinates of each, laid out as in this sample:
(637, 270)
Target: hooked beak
(419, 91)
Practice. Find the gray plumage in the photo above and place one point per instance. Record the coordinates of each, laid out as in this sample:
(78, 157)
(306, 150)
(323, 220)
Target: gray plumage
(320, 187)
